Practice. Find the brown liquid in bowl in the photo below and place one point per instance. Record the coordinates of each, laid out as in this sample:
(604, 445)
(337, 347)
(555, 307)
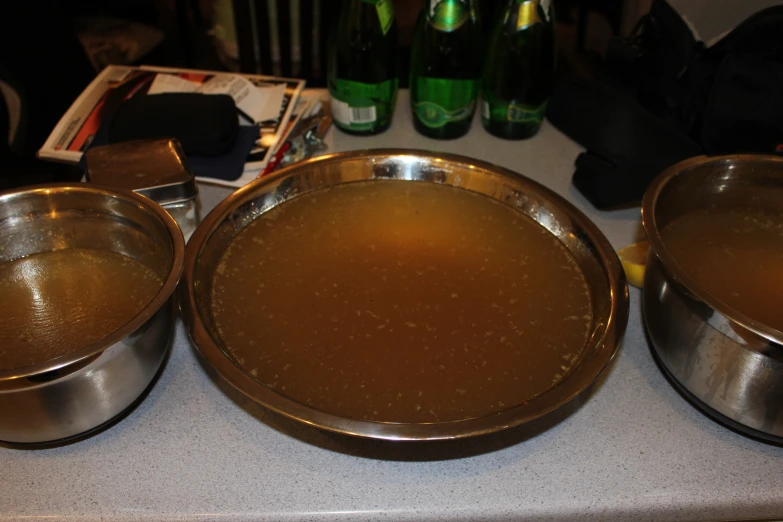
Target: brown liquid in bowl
(401, 301)
(736, 255)
(55, 303)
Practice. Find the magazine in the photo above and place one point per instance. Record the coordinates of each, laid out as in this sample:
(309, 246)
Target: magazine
(265, 101)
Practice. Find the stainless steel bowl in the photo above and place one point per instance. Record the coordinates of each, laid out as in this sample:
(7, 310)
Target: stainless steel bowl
(592, 251)
(70, 395)
(729, 364)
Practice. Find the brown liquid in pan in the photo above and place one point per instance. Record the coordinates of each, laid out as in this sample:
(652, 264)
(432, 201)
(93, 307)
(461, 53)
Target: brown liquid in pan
(54, 303)
(736, 255)
(401, 301)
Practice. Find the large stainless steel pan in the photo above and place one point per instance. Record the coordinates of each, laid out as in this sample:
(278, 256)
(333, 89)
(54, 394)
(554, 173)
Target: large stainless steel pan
(730, 365)
(70, 395)
(590, 248)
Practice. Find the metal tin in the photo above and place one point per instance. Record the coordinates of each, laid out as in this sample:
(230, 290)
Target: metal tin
(591, 250)
(154, 168)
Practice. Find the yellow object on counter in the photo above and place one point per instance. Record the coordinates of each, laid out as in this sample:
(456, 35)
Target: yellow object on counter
(634, 258)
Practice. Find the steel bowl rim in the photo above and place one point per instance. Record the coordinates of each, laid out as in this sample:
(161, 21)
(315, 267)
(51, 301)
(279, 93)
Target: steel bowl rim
(669, 262)
(160, 299)
(230, 372)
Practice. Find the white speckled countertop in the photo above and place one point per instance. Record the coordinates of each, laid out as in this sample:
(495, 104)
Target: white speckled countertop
(630, 449)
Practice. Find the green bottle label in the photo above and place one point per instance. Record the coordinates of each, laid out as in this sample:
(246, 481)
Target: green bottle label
(358, 106)
(514, 112)
(385, 10)
(438, 101)
(448, 15)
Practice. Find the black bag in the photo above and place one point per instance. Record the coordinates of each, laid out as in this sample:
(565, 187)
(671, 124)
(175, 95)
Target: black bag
(668, 98)
(205, 124)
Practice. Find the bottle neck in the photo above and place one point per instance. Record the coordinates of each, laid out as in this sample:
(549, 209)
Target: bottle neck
(522, 14)
(449, 15)
(354, 12)
(366, 15)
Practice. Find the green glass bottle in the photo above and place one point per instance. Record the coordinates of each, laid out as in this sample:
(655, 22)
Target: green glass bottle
(445, 68)
(362, 67)
(519, 70)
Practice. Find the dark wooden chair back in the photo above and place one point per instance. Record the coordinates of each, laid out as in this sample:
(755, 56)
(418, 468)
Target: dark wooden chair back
(253, 23)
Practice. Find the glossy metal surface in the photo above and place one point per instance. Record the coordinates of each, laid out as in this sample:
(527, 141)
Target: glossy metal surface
(591, 249)
(75, 393)
(730, 363)
(156, 168)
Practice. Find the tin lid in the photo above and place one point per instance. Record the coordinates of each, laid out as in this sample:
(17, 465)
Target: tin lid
(156, 168)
